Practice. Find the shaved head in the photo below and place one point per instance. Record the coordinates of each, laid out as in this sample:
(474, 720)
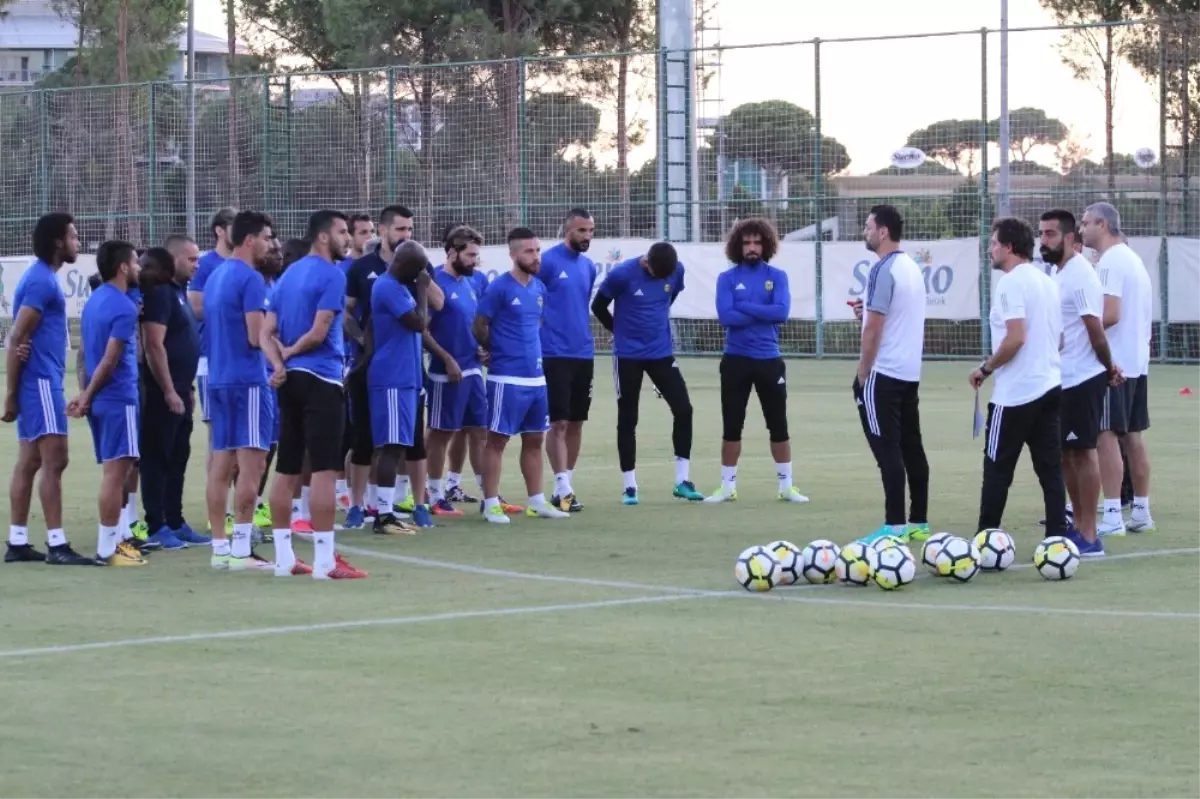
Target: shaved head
(409, 260)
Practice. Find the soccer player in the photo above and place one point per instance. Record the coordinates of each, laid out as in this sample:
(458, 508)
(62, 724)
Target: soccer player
(506, 325)
(305, 314)
(1087, 370)
(234, 306)
(642, 291)
(110, 399)
(1128, 317)
(35, 398)
(352, 480)
(753, 300)
(457, 400)
(1026, 322)
(886, 385)
(393, 353)
(220, 227)
(172, 347)
(566, 337)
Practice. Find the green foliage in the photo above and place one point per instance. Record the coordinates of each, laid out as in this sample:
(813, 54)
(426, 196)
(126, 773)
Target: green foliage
(1178, 32)
(1029, 128)
(154, 27)
(781, 137)
(954, 143)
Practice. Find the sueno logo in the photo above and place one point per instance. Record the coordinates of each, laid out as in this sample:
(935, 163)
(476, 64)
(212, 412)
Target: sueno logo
(76, 285)
(938, 280)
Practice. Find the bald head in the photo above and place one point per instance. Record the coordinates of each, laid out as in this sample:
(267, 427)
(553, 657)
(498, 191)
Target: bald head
(409, 260)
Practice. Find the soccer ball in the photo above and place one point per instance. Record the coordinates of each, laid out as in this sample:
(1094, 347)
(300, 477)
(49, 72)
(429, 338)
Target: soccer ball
(818, 562)
(932, 547)
(788, 555)
(757, 569)
(996, 550)
(1056, 558)
(895, 568)
(958, 558)
(887, 542)
(856, 564)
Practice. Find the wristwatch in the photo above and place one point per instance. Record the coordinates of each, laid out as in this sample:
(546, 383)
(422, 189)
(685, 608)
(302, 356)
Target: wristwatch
(983, 367)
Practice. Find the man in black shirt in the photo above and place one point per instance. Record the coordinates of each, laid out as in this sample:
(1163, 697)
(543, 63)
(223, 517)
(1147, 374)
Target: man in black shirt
(172, 350)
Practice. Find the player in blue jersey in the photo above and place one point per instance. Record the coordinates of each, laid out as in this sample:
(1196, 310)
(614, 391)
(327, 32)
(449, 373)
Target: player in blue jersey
(305, 316)
(109, 327)
(361, 232)
(569, 276)
(234, 308)
(35, 366)
(753, 300)
(642, 291)
(393, 353)
(220, 227)
(507, 323)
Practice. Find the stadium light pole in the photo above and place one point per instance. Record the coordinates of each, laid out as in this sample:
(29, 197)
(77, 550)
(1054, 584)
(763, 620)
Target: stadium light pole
(1003, 178)
(190, 189)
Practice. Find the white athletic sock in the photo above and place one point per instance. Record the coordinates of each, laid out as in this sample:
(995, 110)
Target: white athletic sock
(341, 487)
(296, 515)
(240, 547)
(229, 502)
(305, 510)
(56, 537)
(106, 541)
(1112, 510)
(784, 472)
(131, 515)
(220, 546)
(479, 481)
(284, 555)
(682, 470)
(386, 499)
(124, 529)
(629, 479)
(571, 479)
(403, 488)
(371, 497)
(537, 500)
(729, 477)
(1070, 508)
(258, 503)
(323, 561)
(490, 502)
(562, 483)
(453, 480)
(435, 489)
(1141, 507)
(18, 535)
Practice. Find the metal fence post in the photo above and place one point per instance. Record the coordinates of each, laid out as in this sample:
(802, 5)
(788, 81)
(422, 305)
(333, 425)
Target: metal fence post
(151, 167)
(43, 153)
(521, 143)
(264, 159)
(985, 276)
(1164, 258)
(390, 178)
(818, 193)
(287, 137)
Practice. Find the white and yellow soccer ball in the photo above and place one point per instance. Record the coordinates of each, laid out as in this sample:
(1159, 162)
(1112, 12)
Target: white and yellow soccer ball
(932, 547)
(1056, 558)
(856, 563)
(895, 568)
(887, 542)
(818, 562)
(757, 569)
(958, 558)
(788, 555)
(996, 550)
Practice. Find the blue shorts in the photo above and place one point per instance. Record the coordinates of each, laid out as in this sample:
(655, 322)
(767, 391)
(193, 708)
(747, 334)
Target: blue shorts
(202, 396)
(515, 409)
(115, 429)
(453, 406)
(275, 415)
(242, 417)
(41, 409)
(393, 416)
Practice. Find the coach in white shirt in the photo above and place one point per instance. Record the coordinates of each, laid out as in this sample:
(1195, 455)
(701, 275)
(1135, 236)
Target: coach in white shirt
(1128, 311)
(889, 373)
(1027, 396)
(1087, 365)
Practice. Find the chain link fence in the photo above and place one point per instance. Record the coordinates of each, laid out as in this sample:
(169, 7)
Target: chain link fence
(804, 134)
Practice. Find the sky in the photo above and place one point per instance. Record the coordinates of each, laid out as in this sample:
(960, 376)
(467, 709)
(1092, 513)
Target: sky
(873, 94)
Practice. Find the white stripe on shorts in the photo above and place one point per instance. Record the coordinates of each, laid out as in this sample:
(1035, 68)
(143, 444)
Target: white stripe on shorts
(993, 448)
(498, 400)
(131, 431)
(46, 396)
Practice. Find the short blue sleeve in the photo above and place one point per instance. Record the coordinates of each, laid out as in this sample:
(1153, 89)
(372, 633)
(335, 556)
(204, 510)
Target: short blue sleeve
(200, 278)
(489, 303)
(40, 294)
(333, 292)
(678, 278)
(615, 284)
(254, 293)
(399, 300)
(124, 323)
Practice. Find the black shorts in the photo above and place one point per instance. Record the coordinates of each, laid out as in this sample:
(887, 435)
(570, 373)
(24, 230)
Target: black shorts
(312, 413)
(766, 378)
(417, 451)
(1082, 407)
(1127, 407)
(569, 387)
(362, 447)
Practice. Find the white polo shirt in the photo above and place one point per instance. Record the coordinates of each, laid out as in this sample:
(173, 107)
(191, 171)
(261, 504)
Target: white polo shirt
(1027, 293)
(896, 289)
(1080, 295)
(1123, 275)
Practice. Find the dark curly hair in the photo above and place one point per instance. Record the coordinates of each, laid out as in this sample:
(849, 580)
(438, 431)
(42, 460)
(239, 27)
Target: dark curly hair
(754, 226)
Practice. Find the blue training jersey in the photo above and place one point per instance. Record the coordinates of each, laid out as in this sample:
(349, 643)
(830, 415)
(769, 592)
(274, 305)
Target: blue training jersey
(233, 290)
(752, 302)
(110, 313)
(205, 266)
(39, 290)
(451, 327)
(641, 309)
(310, 285)
(396, 362)
(569, 278)
(514, 313)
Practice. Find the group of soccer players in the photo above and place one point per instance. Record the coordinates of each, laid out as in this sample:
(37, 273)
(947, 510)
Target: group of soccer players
(1070, 361)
